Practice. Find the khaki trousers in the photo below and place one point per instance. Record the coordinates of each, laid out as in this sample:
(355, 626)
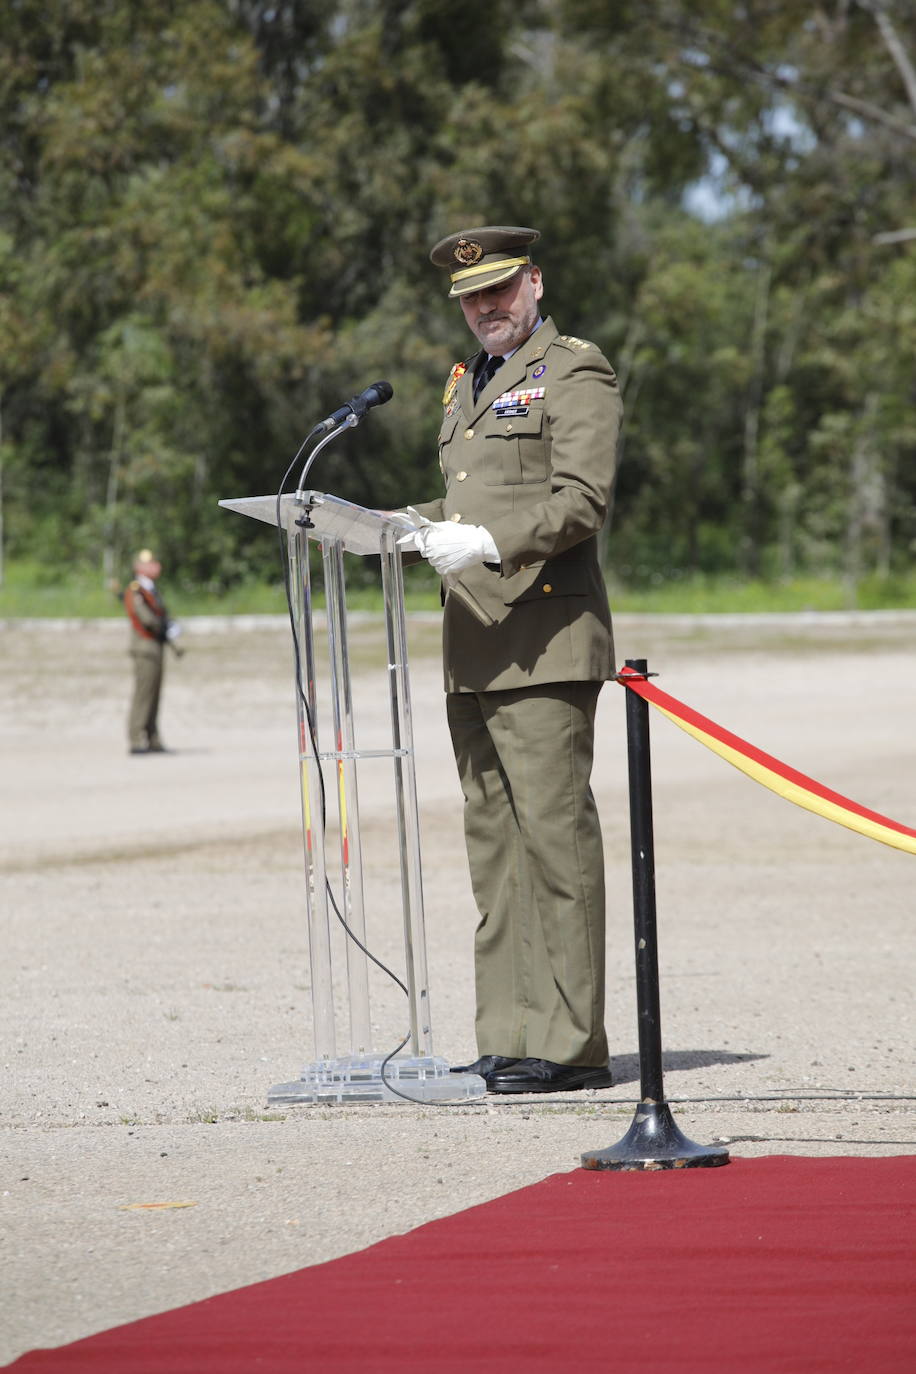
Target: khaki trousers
(143, 718)
(537, 869)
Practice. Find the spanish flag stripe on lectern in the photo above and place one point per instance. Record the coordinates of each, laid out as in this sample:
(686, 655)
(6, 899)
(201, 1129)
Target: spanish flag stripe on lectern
(771, 772)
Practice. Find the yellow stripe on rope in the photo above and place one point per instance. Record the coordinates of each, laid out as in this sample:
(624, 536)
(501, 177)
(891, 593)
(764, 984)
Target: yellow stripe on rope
(768, 777)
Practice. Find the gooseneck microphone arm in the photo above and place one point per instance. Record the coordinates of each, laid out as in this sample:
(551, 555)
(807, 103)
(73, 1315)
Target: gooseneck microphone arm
(349, 423)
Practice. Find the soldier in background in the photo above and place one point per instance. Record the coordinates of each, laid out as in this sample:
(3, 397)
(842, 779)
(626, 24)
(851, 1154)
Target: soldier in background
(151, 630)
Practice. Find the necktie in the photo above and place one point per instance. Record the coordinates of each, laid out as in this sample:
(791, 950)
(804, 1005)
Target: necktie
(486, 373)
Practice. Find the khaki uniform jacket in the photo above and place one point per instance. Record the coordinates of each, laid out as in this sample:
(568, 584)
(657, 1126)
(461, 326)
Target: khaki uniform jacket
(539, 480)
(146, 608)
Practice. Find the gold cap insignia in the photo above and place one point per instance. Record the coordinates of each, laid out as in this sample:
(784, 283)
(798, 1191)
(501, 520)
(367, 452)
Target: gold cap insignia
(468, 251)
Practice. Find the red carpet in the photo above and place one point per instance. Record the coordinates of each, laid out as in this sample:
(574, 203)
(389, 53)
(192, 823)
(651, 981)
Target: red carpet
(776, 1264)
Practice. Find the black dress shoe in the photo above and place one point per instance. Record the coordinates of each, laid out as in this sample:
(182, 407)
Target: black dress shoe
(486, 1064)
(543, 1076)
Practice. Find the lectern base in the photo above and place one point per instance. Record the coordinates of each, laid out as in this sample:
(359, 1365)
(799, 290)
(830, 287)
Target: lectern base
(359, 1079)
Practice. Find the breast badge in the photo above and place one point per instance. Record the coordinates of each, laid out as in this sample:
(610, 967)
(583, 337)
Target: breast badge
(454, 377)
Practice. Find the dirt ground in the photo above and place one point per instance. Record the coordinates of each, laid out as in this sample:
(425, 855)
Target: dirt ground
(155, 970)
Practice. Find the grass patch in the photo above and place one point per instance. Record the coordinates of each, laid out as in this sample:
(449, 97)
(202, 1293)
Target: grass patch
(702, 595)
(211, 1116)
(28, 592)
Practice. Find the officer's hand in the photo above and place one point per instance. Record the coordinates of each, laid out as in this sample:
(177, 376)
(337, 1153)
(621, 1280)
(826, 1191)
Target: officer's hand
(451, 547)
(410, 543)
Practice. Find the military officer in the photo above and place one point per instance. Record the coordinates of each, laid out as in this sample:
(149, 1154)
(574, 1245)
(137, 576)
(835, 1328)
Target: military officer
(150, 630)
(527, 452)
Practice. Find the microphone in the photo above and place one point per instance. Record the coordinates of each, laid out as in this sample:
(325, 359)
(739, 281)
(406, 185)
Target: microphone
(375, 395)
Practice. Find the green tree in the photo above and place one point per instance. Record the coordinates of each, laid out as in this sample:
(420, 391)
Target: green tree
(214, 224)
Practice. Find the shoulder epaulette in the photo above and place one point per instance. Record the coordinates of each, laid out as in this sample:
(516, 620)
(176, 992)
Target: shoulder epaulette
(572, 342)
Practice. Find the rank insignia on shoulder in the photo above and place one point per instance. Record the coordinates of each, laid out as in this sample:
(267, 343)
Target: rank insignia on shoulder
(576, 343)
(454, 377)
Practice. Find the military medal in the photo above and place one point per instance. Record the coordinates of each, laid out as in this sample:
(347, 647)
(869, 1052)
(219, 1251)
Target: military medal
(454, 377)
(518, 402)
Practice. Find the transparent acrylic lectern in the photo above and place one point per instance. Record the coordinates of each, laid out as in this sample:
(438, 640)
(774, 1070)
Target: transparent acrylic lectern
(362, 1074)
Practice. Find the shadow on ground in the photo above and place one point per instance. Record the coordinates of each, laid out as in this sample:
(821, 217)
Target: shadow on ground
(625, 1067)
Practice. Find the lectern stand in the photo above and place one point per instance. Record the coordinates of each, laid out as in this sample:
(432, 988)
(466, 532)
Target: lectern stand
(362, 1074)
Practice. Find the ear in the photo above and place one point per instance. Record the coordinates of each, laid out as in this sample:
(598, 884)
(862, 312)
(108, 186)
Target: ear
(536, 278)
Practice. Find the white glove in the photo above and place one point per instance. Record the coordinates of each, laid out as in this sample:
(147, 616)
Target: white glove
(172, 630)
(410, 543)
(451, 547)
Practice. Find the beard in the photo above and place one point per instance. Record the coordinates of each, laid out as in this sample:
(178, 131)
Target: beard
(503, 334)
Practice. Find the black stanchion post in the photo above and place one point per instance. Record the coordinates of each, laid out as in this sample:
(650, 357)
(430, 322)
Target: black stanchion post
(653, 1141)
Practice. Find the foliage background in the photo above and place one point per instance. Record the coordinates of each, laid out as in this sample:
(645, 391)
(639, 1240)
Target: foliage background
(215, 217)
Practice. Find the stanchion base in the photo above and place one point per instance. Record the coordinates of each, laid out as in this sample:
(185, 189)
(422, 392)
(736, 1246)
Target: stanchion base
(359, 1078)
(655, 1142)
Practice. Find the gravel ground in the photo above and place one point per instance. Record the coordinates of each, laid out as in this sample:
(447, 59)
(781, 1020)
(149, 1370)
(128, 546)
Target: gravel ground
(155, 978)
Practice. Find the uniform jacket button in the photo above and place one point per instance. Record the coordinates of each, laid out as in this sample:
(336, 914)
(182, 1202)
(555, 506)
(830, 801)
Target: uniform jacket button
(548, 587)
(460, 476)
(468, 434)
(456, 517)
